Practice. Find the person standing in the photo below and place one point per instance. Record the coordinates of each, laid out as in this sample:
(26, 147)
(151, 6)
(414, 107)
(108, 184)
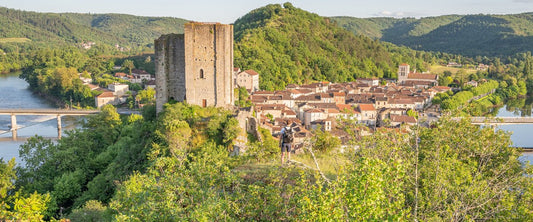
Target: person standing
(286, 139)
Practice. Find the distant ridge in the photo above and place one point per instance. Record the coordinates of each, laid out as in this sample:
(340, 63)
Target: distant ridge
(75, 28)
(469, 35)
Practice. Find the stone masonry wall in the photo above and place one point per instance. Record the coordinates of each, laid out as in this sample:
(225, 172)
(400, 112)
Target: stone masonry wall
(170, 69)
(196, 66)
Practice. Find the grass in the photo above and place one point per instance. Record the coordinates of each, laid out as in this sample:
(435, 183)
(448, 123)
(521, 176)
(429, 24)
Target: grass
(439, 69)
(16, 40)
(329, 164)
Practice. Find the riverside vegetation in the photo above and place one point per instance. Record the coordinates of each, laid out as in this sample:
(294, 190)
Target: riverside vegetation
(177, 166)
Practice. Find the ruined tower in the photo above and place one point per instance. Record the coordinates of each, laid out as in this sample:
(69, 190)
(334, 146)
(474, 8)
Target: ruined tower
(196, 66)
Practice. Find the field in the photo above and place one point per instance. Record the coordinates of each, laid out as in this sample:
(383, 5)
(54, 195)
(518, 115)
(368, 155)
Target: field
(439, 69)
(17, 40)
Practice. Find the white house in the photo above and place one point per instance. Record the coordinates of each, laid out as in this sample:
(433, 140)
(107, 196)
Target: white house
(248, 79)
(118, 89)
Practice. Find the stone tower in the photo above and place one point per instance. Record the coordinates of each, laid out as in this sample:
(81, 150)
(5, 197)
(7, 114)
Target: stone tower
(403, 72)
(196, 66)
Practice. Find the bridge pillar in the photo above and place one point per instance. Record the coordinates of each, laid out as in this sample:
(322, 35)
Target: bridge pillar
(14, 127)
(58, 126)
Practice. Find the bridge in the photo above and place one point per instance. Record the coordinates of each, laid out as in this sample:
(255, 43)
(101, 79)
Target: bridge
(49, 112)
(480, 120)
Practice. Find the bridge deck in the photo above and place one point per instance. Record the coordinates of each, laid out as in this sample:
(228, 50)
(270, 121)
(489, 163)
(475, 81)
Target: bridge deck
(63, 112)
(498, 120)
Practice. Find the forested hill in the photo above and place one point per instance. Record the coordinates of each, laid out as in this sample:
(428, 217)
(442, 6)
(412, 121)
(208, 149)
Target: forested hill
(134, 29)
(289, 45)
(470, 35)
(75, 28)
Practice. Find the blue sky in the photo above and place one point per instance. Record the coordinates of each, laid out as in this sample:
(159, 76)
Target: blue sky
(227, 11)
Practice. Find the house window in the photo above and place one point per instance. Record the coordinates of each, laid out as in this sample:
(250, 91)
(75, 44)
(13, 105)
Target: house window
(202, 74)
(204, 102)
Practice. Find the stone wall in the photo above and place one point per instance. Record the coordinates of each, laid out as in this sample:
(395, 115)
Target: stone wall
(170, 69)
(196, 66)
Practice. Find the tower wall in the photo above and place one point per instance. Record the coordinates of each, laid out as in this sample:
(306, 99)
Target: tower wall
(196, 66)
(170, 69)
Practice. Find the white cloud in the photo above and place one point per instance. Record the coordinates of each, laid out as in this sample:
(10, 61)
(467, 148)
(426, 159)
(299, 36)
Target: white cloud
(523, 1)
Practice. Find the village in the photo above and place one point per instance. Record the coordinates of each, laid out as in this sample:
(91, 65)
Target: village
(368, 102)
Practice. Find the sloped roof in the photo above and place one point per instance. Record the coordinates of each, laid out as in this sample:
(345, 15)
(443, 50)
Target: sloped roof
(366, 107)
(422, 76)
(106, 94)
(402, 119)
(251, 72)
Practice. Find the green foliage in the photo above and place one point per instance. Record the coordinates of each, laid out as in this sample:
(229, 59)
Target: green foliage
(462, 168)
(75, 28)
(412, 113)
(445, 81)
(15, 205)
(128, 64)
(55, 73)
(289, 45)
(470, 35)
(265, 150)
(7, 176)
(457, 175)
(85, 164)
(324, 141)
(242, 98)
(92, 211)
(460, 99)
(133, 30)
(146, 96)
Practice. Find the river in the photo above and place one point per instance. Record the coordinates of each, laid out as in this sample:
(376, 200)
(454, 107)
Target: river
(14, 93)
(521, 133)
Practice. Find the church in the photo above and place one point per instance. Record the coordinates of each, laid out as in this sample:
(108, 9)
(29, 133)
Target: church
(408, 78)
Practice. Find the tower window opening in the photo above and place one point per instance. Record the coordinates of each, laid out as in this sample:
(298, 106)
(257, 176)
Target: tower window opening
(202, 74)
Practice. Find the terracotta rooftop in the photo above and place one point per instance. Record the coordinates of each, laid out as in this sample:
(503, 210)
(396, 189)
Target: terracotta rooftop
(366, 107)
(402, 119)
(251, 72)
(139, 71)
(422, 76)
(106, 94)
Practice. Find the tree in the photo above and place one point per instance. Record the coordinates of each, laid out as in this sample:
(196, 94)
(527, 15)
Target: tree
(128, 64)
(146, 96)
(466, 172)
(19, 206)
(412, 113)
(323, 141)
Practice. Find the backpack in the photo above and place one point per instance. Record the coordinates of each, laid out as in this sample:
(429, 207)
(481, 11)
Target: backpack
(288, 135)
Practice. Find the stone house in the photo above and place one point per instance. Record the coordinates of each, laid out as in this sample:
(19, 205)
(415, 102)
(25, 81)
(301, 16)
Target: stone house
(368, 114)
(398, 120)
(313, 115)
(248, 79)
(140, 75)
(369, 81)
(118, 89)
(106, 97)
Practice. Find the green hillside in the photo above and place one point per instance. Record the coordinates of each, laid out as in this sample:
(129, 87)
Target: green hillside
(134, 29)
(48, 28)
(73, 28)
(470, 35)
(289, 45)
